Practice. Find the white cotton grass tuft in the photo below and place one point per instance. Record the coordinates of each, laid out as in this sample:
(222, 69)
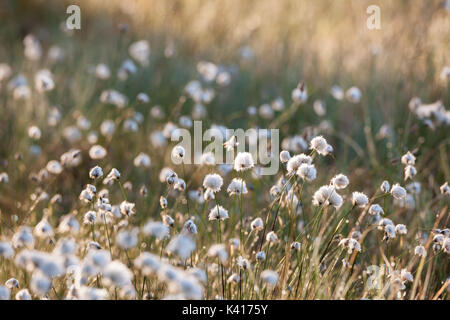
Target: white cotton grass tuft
(296, 161)
(401, 229)
(307, 172)
(300, 94)
(182, 246)
(5, 293)
(116, 274)
(54, 167)
(178, 152)
(445, 188)
(96, 173)
(408, 159)
(353, 95)
(97, 152)
(23, 294)
(359, 199)
(270, 278)
(351, 244)
(284, 156)
(142, 160)
(257, 224)
(321, 146)
(272, 237)
(208, 159)
(410, 172)
(213, 182)
(127, 239)
(156, 229)
(385, 187)
(340, 181)
(219, 251)
(6, 250)
(375, 209)
(420, 251)
(218, 213)
(237, 186)
(327, 196)
(398, 192)
(243, 161)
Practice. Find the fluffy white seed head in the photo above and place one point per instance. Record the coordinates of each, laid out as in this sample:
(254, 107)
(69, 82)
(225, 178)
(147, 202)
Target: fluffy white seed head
(243, 161)
(359, 199)
(398, 192)
(340, 181)
(213, 182)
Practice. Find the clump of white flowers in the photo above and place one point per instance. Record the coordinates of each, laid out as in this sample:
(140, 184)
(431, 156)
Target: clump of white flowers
(321, 146)
(213, 182)
(327, 196)
(359, 199)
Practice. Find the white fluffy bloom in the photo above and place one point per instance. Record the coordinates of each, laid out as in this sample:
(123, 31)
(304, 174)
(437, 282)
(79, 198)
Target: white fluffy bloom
(353, 95)
(359, 199)
(208, 159)
(284, 156)
(445, 188)
(127, 239)
(6, 250)
(375, 209)
(408, 159)
(116, 274)
(97, 152)
(385, 187)
(218, 250)
(320, 145)
(23, 294)
(90, 217)
(218, 212)
(237, 187)
(307, 172)
(296, 161)
(44, 80)
(213, 182)
(4, 178)
(107, 128)
(182, 246)
(96, 172)
(269, 277)
(351, 244)
(54, 167)
(401, 229)
(410, 172)
(389, 232)
(272, 237)
(326, 195)
(178, 152)
(34, 133)
(114, 97)
(340, 181)
(257, 224)
(420, 251)
(140, 51)
(142, 160)
(398, 192)
(156, 229)
(337, 92)
(243, 161)
(299, 94)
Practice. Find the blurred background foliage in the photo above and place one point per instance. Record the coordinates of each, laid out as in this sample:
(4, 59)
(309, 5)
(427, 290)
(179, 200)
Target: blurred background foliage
(321, 43)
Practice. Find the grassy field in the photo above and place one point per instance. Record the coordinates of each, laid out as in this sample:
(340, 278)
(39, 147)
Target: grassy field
(357, 210)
